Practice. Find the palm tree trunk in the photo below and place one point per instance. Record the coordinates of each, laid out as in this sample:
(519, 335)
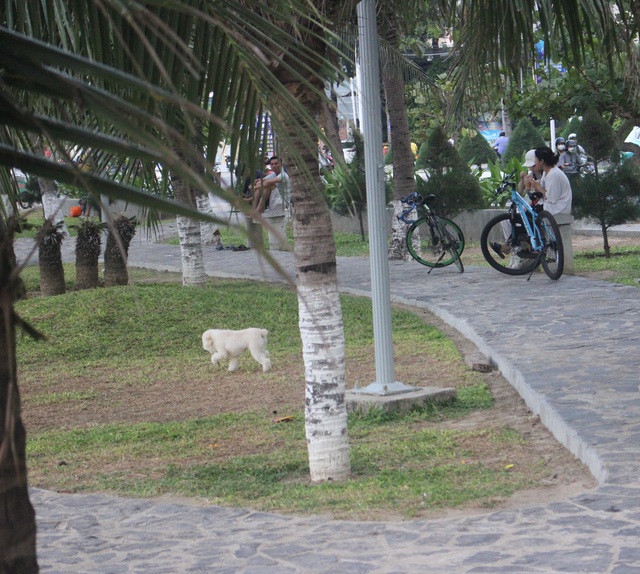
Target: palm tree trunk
(403, 160)
(17, 516)
(88, 245)
(328, 119)
(319, 309)
(49, 240)
(190, 236)
(321, 331)
(120, 234)
(206, 227)
(605, 238)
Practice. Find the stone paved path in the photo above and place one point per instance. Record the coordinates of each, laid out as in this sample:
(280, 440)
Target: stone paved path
(570, 348)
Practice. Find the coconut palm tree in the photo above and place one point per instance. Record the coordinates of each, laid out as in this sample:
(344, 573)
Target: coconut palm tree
(17, 516)
(273, 52)
(392, 74)
(133, 106)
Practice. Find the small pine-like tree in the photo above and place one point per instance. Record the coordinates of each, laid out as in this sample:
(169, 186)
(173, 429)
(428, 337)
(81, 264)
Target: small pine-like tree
(611, 196)
(449, 177)
(572, 127)
(439, 155)
(597, 137)
(525, 136)
(475, 149)
(422, 156)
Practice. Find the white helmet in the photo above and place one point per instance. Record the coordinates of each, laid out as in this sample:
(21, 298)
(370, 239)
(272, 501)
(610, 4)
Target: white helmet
(572, 137)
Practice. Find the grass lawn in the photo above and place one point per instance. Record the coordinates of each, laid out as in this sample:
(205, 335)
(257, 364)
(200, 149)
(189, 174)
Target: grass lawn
(122, 398)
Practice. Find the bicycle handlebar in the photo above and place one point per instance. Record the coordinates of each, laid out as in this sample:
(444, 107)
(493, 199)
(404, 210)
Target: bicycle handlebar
(412, 200)
(506, 182)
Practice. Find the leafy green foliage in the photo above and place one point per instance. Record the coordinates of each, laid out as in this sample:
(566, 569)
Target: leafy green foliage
(490, 184)
(596, 136)
(525, 136)
(610, 198)
(345, 187)
(475, 149)
(438, 156)
(449, 178)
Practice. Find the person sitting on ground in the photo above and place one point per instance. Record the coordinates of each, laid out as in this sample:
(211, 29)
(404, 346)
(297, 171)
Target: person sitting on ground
(272, 193)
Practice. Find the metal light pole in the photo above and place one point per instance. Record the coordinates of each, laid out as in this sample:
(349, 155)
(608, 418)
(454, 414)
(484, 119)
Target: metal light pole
(376, 204)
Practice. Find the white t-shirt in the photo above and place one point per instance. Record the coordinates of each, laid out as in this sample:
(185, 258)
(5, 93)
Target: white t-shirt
(558, 191)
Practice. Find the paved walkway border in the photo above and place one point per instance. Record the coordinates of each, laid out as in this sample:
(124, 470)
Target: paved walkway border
(569, 347)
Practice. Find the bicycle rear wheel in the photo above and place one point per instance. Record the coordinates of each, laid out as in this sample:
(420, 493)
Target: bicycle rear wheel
(507, 249)
(454, 240)
(552, 247)
(435, 242)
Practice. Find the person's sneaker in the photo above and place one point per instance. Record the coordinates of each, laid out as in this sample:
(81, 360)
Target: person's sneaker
(498, 249)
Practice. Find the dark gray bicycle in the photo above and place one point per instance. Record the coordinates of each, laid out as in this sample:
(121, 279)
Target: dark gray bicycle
(432, 240)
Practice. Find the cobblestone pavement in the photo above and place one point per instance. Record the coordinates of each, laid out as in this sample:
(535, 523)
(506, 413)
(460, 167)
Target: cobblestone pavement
(569, 347)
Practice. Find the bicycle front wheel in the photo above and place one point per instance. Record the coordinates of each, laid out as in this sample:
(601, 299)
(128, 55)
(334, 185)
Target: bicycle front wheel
(435, 242)
(506, 249)
(552, 247)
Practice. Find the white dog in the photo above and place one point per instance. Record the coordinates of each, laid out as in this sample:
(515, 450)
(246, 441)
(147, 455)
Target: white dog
(223, 344)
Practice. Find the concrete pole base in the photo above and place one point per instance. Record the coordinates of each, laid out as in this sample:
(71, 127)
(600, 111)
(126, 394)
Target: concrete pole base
(404, 401)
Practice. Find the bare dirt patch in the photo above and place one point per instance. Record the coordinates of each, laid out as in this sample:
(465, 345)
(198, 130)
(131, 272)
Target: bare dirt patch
(195, 390)
(596, 242)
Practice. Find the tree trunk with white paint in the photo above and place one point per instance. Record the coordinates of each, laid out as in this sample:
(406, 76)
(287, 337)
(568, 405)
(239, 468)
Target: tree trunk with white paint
(52, 204)
(321, 328)
(400, 139)
(206, 227)
(189, 234)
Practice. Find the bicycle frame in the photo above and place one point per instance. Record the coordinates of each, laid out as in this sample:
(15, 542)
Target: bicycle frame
(527, 215)
(525, 210)
(431, 240)
(529, 232)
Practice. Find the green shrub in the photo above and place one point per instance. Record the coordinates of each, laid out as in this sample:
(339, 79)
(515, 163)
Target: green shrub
(475, 149)
(525, 136)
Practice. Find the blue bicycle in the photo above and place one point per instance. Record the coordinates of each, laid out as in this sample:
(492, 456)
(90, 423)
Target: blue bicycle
(432, 240)
(517, 241)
